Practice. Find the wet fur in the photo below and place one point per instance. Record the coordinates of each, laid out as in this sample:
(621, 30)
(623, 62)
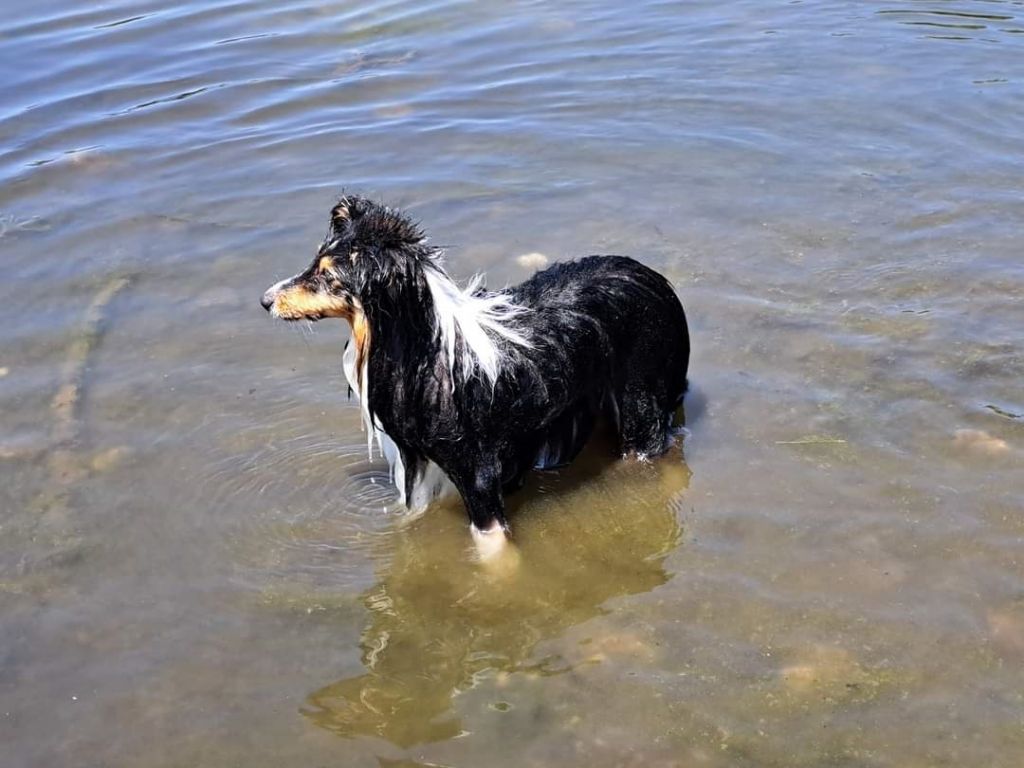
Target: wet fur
(477, 387)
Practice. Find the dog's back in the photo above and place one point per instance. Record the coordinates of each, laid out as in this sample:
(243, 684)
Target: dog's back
(610, 338)
(631, 304)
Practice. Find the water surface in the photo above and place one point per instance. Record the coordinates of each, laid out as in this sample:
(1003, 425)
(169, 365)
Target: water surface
(199, 565)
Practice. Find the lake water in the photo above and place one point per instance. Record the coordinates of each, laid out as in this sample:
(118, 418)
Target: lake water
(199, 565)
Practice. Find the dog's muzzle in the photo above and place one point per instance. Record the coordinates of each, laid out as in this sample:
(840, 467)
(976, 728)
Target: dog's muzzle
(270, 296)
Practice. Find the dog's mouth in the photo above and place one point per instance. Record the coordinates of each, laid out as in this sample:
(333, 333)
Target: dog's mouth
(288, 316)
(291, 318)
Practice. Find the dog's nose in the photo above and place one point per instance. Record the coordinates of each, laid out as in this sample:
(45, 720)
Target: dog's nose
(267, 301)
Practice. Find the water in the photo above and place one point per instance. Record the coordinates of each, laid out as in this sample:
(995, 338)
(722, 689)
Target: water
(197, 564)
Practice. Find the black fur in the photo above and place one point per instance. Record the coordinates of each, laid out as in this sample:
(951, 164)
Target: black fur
(607, 336)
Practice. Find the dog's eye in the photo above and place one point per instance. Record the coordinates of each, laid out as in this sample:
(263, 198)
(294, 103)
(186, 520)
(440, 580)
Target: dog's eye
(334, 285)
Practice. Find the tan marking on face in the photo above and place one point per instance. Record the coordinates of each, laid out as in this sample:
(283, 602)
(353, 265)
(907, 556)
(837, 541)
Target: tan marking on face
(325, 264)
(298, 303)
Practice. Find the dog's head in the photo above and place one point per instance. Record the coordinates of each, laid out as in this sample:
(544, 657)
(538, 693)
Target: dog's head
(369, 249)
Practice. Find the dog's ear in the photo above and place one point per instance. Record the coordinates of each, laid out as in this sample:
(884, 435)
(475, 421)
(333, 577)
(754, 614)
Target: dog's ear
(340, 212)
(347, 209)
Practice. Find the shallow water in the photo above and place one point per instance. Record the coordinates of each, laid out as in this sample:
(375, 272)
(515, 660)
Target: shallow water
(199, 564)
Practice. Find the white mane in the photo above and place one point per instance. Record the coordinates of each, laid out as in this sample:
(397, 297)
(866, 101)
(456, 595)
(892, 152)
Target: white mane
(470, 323)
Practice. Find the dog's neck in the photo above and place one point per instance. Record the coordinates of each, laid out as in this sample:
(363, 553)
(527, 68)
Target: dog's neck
(421, 342)
(471, 330)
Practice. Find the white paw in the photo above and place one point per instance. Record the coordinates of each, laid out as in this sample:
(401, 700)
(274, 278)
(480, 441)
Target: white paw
(497, 554)
(490, 543)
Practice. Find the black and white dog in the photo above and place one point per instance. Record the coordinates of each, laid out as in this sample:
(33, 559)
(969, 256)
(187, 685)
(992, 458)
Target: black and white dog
(472, 388)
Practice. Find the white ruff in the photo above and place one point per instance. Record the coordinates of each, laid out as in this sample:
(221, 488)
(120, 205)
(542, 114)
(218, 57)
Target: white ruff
(469, 324)
(430, 483)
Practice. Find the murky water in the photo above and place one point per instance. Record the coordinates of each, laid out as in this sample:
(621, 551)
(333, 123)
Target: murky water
(198, 565)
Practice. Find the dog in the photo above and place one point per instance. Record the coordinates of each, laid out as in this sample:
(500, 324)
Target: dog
(466, 390)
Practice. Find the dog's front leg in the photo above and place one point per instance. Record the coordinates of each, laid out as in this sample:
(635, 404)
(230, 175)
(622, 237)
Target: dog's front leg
(486, 507)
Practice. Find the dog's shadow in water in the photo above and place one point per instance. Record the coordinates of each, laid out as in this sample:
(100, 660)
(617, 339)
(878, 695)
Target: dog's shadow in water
(440, 623)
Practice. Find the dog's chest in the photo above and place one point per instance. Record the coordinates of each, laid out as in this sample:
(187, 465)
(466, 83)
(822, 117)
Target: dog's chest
(430, 483)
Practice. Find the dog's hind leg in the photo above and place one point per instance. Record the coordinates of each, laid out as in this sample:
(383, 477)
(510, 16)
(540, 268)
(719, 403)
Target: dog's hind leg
(644, 421)
(652, 386)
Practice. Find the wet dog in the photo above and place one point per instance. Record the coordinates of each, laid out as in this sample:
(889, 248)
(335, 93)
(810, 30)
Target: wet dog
(466, 389)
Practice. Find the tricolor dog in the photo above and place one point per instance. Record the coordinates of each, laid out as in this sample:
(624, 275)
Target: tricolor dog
(466, 389)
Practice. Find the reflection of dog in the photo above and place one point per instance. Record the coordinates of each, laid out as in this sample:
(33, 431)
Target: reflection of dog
(474, 388)
(439, 635)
